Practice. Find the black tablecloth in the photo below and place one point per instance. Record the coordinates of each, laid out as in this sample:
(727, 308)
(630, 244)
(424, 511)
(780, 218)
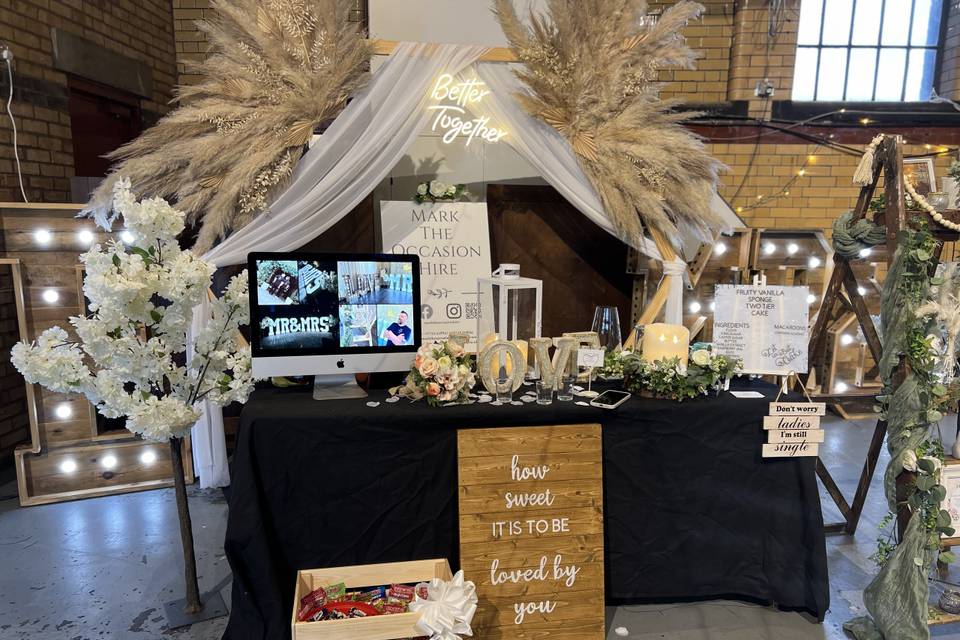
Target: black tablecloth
(691, 508)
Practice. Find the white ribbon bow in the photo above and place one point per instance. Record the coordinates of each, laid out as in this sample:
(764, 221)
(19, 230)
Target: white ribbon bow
(448, 610)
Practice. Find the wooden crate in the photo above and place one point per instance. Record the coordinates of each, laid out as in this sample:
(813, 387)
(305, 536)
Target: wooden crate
(387, 627)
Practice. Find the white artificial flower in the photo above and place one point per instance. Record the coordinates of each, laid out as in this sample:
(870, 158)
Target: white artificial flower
(128, 353)
(53, 361)
(422, 189)
(437, 189)
(161, 418)
(452, 190)
(700, 357)
(910, 461)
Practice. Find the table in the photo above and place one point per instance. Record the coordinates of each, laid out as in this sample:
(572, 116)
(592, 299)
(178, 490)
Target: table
(691, 508)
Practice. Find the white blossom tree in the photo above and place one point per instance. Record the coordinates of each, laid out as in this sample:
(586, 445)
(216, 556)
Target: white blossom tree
(130, 356)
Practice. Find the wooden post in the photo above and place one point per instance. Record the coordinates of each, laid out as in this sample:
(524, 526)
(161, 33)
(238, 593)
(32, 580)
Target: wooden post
(193, 604)
(652, 310)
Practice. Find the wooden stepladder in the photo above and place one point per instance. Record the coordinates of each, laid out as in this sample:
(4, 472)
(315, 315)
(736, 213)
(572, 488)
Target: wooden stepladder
(843, 294)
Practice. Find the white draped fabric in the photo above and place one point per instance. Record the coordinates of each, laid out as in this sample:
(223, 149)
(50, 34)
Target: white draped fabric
(357, 152)
(354, 154)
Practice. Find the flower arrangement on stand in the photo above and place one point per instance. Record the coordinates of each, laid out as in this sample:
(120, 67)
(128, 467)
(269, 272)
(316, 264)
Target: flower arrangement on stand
(442, 372)
(436, 191)
(130, 356)
(668, 378)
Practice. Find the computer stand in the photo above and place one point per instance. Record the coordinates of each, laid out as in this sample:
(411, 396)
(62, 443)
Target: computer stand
(337, 387)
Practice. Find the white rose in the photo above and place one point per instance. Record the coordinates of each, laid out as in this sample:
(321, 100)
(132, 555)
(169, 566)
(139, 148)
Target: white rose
(437, 188)
(445, 362)
(700, 357)
(451, 190)
(455, 349)
(422, 189)
(910, 461)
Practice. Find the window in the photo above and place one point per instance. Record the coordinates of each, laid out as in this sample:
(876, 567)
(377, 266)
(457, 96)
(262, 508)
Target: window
(867, 50)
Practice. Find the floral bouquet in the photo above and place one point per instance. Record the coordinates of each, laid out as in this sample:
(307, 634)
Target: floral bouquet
(436, 191)
(668, 378)
(442, 372)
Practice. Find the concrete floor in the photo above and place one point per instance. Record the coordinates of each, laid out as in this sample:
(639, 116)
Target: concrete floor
(101, 568)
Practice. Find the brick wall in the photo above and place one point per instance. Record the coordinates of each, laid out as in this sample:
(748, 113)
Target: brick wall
(950, 61)
(813, 200)
(712, 38)
(191, 42)
(138, 29)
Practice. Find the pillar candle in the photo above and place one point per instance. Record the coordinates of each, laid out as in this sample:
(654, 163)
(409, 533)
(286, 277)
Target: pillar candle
(664, 341)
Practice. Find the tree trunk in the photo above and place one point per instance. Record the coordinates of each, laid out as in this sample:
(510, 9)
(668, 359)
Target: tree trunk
(186, 530)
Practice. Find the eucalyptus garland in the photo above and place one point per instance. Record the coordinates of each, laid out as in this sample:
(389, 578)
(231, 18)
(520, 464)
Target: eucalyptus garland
(912, 402)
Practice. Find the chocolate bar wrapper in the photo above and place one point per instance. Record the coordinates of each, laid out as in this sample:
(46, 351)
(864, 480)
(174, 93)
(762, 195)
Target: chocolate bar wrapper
(402, 592)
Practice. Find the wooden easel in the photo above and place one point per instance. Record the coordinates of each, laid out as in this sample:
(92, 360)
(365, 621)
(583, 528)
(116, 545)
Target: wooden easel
(842, 292)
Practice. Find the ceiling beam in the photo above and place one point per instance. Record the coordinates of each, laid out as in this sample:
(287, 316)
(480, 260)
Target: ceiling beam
(494, 54)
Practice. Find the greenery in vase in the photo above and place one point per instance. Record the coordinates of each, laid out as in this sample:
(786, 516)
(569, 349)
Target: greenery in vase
(670, 379)
(436, 191)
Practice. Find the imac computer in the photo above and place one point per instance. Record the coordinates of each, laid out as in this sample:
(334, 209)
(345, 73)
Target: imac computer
(333, 315)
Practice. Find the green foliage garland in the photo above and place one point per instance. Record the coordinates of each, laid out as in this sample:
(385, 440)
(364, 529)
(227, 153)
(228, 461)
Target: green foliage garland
(911, 402)
(668, 379)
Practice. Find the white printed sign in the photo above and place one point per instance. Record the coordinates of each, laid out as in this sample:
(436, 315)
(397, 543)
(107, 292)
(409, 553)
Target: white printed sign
(590, 357)
(950, 479)
(453, 242)
(767, 327)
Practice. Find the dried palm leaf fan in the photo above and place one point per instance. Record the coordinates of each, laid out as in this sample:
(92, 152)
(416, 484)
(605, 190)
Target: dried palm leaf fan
(278, 68)
(592, 67)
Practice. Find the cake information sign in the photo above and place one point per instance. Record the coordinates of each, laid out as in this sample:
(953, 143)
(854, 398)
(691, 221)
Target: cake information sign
(766, 326)
(531, 530)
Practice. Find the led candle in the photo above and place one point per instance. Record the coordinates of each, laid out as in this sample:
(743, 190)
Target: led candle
(664, 341)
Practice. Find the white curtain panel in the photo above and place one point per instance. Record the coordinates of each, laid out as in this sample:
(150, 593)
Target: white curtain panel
(354, 154)
(553, 157)
(357, 152)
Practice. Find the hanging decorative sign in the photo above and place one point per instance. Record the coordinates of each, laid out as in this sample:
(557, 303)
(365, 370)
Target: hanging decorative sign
(531, 530)
(793, 428)
(453, 99)
(453, 242)
(765, 326)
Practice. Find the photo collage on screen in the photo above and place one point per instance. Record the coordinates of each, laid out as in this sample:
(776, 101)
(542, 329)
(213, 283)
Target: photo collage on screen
(376, 304)
(328, 304)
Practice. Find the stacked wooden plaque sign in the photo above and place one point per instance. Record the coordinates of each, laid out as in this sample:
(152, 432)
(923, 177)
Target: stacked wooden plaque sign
(531, 531)
(793, 429)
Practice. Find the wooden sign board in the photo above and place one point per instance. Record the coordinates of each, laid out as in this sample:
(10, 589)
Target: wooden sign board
(789, 435)
(798, 408)
(531, 531)
(791, 450)
(791, 422)
(793, 429)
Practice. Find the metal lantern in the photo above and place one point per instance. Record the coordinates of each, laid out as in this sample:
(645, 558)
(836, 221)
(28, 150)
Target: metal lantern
(509, 308)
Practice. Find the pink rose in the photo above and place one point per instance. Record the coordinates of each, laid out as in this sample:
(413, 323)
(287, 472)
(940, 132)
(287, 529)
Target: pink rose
(428, 367)
(433, 389)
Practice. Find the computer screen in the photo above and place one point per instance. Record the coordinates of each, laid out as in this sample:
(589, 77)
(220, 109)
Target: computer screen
(315, 304)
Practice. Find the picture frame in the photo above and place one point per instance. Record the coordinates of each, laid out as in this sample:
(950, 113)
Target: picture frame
(920, 173)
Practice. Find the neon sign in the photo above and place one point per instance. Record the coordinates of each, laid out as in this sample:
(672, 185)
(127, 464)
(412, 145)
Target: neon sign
(453, 98)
